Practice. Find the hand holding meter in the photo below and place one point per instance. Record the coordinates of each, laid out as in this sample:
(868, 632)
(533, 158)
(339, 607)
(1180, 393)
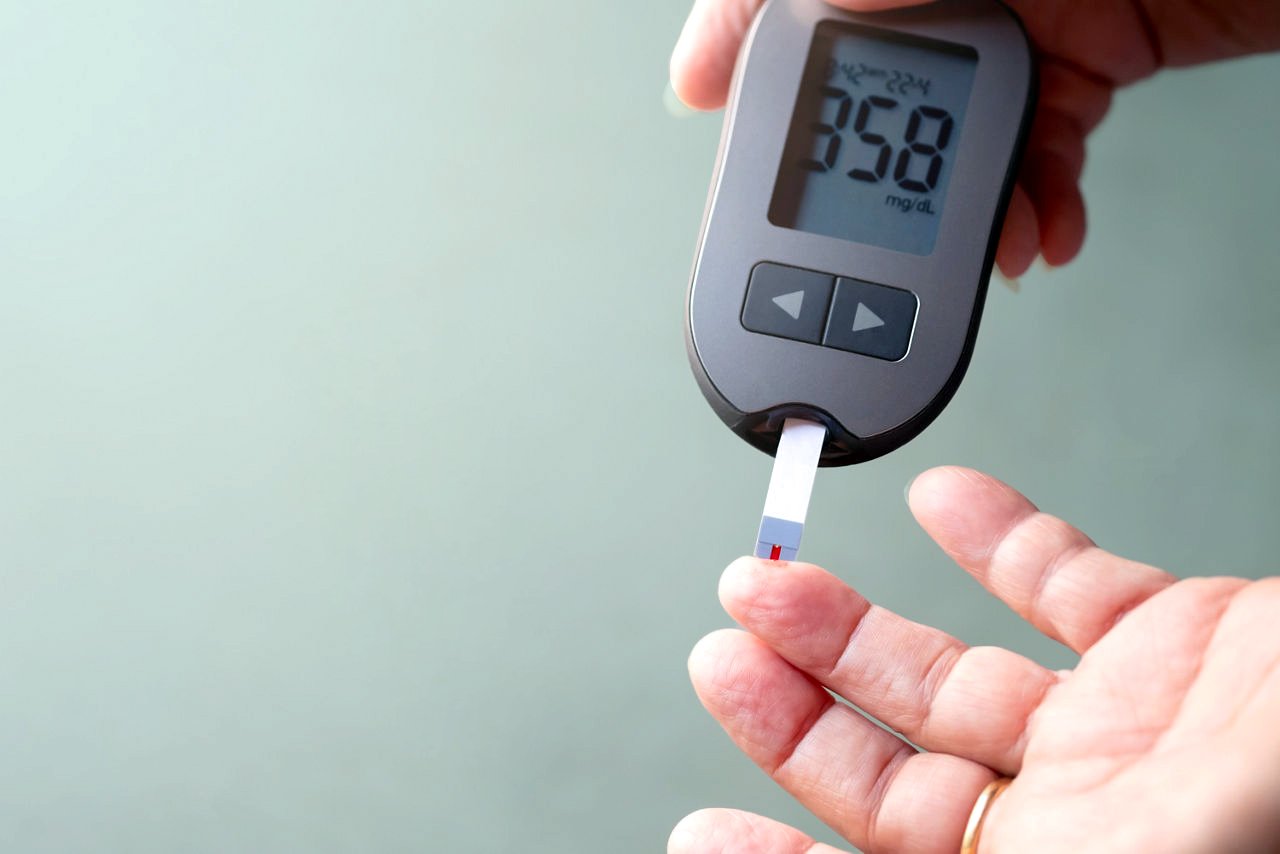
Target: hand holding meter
(857, 201)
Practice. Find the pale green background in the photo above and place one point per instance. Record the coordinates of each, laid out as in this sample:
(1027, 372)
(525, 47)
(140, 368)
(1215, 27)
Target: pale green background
(356, 494)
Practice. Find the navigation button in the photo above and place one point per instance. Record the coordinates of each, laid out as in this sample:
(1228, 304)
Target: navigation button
(787, 302)
(872, 320)
(866, 319)
(791, 303)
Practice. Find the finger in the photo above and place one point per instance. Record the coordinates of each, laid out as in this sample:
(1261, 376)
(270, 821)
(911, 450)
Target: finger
(1041, 567)
(871, 787)
(737, 832)
(1054, 191)
(1051, 175)
(1059, 134)
(1064, 89)
(876, 5)
(1020, 238)
(1059, 205)
(704, 56)
(1070, 105)
(1100, 39)
(939, 693)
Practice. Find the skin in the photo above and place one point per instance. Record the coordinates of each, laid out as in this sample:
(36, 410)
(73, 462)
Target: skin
(1087, 49)
(1163, 738)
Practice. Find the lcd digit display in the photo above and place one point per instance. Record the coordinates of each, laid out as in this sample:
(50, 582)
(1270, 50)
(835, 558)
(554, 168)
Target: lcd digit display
(873, 137)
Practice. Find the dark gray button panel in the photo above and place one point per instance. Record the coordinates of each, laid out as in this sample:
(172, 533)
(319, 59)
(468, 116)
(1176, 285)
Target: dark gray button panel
(848, 314)
(871, 319)
(787, 302)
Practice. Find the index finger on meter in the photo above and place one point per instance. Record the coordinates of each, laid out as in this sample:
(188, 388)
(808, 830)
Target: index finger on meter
(703, 59)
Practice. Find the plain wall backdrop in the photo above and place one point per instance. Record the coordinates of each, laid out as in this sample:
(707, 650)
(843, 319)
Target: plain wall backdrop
(356, 493)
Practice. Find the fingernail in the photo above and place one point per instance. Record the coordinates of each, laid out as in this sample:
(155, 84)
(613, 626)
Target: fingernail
(675, 107)
(1014, 285)
(906, 493)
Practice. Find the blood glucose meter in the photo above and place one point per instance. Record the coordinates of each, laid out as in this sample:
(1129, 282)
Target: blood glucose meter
(858, 196)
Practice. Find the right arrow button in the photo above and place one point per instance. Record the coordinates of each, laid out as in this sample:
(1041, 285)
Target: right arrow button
(865, 318)
(871, 319)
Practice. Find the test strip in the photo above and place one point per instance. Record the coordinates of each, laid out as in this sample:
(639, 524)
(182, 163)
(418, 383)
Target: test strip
(787, 503)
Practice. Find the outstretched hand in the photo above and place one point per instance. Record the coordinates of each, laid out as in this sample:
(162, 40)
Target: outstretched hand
(1087, 49)
(1163, 738)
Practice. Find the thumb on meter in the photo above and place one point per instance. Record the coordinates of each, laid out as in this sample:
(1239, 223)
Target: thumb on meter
(702, 62)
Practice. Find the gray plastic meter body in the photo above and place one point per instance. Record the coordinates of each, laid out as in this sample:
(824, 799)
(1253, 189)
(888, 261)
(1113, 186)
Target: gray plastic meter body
(859, 192)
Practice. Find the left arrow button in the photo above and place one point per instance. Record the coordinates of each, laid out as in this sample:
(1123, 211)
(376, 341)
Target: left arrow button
(790, 303)
(787, 302)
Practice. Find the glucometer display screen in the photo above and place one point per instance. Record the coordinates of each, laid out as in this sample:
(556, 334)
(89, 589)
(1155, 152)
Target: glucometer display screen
(874, 137)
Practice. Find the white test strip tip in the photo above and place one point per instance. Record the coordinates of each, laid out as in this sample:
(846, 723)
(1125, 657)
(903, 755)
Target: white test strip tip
(794, 467)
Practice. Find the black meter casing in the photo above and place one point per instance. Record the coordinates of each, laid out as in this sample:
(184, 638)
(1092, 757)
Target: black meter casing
(925, 304)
